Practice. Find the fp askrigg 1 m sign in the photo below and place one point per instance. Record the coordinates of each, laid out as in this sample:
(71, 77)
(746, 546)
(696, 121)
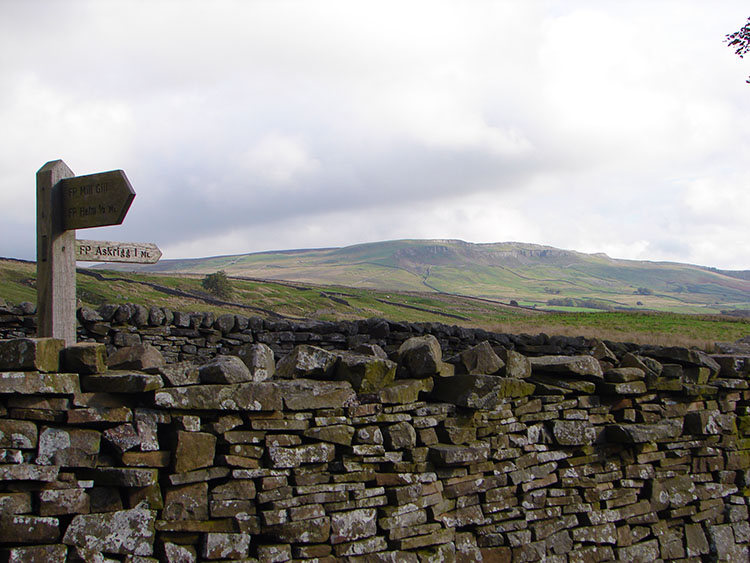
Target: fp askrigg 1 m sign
(66, 202)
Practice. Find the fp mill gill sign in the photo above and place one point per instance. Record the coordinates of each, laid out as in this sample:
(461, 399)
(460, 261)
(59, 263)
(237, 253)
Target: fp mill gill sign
(96, 200)
(66, 202)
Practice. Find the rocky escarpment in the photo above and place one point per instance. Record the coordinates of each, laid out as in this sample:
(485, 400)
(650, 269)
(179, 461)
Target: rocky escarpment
(488, 450)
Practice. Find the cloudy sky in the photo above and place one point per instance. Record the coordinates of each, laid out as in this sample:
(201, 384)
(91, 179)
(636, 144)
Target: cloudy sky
(598, 126)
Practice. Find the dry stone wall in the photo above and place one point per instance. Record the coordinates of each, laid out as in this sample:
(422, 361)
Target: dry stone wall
(371, 441)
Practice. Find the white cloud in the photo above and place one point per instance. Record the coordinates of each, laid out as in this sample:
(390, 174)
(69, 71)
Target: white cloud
(598, 126)
(279, 159)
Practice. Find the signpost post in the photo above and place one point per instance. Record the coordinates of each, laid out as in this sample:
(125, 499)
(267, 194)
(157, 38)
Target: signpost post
(66, 202)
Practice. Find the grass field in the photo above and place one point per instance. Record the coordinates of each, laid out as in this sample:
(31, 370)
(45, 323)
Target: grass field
(532, 274)
(183, 292)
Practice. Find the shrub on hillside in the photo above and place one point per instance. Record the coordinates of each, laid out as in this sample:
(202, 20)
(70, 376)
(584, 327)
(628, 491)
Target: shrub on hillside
(218, 284)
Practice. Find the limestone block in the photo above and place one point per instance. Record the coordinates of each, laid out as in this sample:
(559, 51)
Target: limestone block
(369, 435)
(35, 554)
(307, 361)
(122, 381)
(305, 394)
(28, 472)
(85, 358)
(353, 525)
(695, 540)
(194, 450)
(554, 384)
(479, 391)
(400, 392)
(516, 364)
(280, 457)
(126, 532)
(21, 528)
(274, 553)
(33, 382)
(648, 365)
(259, 359)
(58, 502)
(15, 503)
(479, 359)
(31, 354)
(642, 432)
(68, 447)
(625, 388)
(733, 366)
(710, 422)
(573, 432)
(453, 455)
(126, 476)
(685, 357)
(176, 553)
(400, 436)
(186, 502)
(586, 367)
(182, 373)
(335, 433)
(422, 357)
(18, 434)
(365, 373)
(314, 530)
(140, 357)
(123, 437)
(250, 396)
(224, 369)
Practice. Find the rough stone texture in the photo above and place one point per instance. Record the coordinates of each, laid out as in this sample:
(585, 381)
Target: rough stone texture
(217, 545)
(127, 532)
(118, 381)
(561, 467)
(479, 391)
(68, 447)
(31, 354)
(85, 358)
(480, 359)
(580, 366)
(314, 530)
(194, 450)
(295, 456)
(259, 359)
(224, 369)
(187, 502)
(19, 434)
(33, 382)
(516, 365)
(307, 361)
(639, 433)
(400, 436)
(365, 373)
(573, 432)
(423, 357)
(22, 528)
(35, 554)
(140, 357)
(353, 525)
(304, 394)
(249, 396)
(179, 374)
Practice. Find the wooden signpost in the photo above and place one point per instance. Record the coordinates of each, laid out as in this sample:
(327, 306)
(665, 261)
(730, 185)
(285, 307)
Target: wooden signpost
(96, 200)
(108, 251)
(66, 202)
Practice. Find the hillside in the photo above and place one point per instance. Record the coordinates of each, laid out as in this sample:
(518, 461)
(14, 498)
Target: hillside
(531, 275)
(281, 299)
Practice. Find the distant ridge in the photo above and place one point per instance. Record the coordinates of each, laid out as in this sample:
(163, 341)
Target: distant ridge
(503, 271)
